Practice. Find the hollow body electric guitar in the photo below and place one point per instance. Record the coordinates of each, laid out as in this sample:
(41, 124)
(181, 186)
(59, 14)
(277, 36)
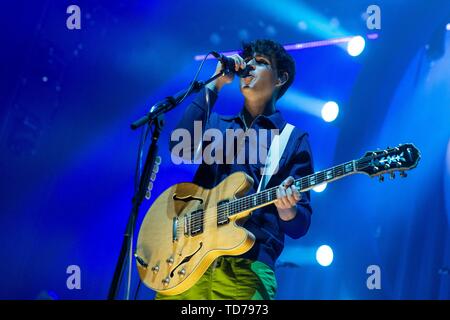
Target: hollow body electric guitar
(188, 227)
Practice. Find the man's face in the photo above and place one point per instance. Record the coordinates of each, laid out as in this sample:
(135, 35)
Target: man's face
(261, 82)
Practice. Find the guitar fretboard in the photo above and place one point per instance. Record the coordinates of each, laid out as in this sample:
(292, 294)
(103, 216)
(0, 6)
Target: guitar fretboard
(268, 196)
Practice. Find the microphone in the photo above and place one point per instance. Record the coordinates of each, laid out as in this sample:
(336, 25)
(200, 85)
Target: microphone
(229, 65)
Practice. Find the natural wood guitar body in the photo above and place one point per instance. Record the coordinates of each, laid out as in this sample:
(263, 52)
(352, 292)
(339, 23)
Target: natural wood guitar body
(172, 266)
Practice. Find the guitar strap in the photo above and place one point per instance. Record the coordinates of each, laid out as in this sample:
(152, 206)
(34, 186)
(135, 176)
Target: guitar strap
(277, 147)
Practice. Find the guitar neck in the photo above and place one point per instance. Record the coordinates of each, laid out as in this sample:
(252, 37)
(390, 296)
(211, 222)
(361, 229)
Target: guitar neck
(268, 196)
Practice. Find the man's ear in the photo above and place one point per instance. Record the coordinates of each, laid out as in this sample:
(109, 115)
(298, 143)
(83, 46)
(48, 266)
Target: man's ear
(282, 79)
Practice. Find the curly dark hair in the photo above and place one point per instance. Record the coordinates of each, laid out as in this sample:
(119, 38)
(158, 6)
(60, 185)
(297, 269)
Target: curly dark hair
(278, 56)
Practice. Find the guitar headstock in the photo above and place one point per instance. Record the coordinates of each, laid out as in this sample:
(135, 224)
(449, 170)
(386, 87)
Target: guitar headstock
(402, 158)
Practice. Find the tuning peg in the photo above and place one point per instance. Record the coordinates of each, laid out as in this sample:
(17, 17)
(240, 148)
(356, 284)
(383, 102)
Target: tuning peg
(158, 160)
(392, 175)
(148, 194)
(150, 186)
(403, 174)
(381, 178)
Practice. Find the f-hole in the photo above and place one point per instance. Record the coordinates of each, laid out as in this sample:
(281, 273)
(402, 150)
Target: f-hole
(186, 198)
(186, 259)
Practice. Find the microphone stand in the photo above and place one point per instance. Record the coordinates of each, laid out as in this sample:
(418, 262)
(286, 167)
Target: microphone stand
(153, 117)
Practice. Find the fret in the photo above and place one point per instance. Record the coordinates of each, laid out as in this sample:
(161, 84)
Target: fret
(339, 170)
(320, 177)
(304, 183)
(348, 167)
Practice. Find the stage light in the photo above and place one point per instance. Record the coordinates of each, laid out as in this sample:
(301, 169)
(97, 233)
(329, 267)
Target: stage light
(324, 255)
(356, 46)
(330, 111)
(321, 187)
(447, 27)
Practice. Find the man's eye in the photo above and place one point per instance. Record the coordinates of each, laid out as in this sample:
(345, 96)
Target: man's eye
(262, 61)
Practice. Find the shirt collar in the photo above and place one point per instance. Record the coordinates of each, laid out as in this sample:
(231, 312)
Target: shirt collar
(276, 119)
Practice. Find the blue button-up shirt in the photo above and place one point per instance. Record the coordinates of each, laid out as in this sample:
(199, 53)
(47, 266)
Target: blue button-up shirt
(296, 161)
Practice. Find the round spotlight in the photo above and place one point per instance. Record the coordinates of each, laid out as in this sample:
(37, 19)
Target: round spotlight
(355, 46)
(320, 187)
(324, 255)
(330, 111)
(447, 27)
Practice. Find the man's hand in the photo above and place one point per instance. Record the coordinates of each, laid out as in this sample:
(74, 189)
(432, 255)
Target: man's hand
(287, 198)
(220, 82)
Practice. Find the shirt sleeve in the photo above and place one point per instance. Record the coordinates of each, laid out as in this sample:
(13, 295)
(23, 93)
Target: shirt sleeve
(302, 165)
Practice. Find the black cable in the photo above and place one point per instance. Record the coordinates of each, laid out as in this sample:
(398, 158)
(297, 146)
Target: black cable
(137, 289)
(195, 77)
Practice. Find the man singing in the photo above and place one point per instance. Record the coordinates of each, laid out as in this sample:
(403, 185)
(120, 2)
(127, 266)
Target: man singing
(251, 275)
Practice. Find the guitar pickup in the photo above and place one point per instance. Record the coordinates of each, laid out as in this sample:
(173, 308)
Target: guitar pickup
(196, 222)
(223, 212)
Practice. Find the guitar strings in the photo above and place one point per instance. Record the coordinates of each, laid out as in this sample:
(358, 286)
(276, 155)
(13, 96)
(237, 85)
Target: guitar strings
(241, 203)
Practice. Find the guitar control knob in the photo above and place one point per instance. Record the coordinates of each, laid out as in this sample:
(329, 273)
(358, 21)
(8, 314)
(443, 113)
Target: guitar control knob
(182, 272)
(166, 281)
(375, 168)
(387, 166)
(155, 269)
(392, 175)
(170, 260)
(381, 178)
(403, 174)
